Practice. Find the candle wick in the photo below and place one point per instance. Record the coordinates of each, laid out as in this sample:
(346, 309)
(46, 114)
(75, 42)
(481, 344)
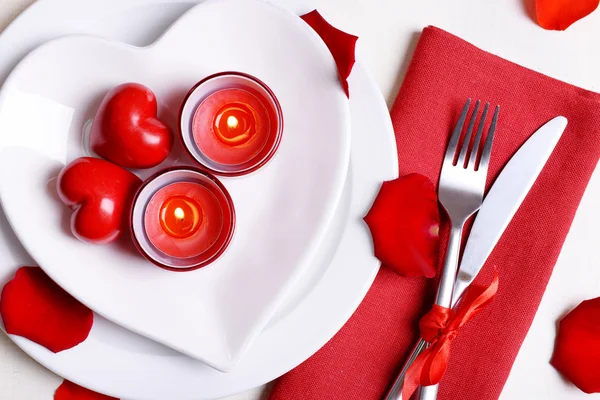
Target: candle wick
(179, 214)
(232, 122)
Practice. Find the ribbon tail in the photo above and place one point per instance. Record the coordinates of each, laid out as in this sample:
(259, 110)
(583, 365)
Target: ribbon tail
(475, 300)
(436, 364)
(427, 369)
(412, 379)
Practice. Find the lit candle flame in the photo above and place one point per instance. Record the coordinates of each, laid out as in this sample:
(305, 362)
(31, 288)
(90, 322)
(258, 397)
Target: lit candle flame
(179, 214)
(232, 122)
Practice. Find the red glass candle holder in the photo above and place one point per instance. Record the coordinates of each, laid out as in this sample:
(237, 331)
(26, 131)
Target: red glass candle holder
(231, 123)
(182, 219)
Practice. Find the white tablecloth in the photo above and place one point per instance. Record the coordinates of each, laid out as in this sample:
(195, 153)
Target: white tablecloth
(388, 30)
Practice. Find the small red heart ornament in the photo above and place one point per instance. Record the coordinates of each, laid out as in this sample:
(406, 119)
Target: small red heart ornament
(100, 193)
(36, 308)
(127, 131)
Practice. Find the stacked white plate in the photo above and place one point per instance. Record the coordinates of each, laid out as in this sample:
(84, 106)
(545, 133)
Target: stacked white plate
(306, 304)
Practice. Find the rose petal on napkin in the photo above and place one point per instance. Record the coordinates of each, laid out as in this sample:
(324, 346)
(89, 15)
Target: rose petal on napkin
(577, 349)
(560, 14)
(404, 222)
(70, 391)
(342, 45)
(36, 308)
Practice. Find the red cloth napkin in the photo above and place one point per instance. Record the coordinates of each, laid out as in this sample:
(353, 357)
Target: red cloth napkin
(361, 360)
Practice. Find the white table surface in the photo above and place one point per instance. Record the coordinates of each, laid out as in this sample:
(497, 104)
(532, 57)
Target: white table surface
(388, 30)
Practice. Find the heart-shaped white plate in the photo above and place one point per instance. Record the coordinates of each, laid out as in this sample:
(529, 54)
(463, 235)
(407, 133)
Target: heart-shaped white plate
(283, 210)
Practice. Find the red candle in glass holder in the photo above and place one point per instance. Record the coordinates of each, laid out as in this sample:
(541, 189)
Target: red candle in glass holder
(182, 219)
(231, 123)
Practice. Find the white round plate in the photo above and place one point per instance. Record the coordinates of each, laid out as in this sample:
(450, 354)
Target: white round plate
(283, 210)
(118, 362)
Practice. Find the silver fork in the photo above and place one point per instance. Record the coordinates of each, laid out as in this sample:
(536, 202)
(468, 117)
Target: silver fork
(461, 189)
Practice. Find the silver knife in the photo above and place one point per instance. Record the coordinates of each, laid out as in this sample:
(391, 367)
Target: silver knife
(500, 205)
(504, 199)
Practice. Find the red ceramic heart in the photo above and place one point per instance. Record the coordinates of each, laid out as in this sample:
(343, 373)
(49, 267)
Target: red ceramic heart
(70, 391)
(404, 222)
(34, 307)
(577, 349)
(127, 131)
(100, 193)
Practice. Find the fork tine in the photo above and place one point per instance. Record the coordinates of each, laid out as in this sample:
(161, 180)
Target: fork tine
(467, 140)
(451, 150)
(487, 148)
(475, 149)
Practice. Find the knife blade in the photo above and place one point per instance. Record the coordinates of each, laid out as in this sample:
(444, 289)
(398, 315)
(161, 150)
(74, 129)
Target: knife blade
(504, 199)
(498, 208)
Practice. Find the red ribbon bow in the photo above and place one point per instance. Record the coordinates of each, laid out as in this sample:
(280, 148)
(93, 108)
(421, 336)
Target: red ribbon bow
(439, 327)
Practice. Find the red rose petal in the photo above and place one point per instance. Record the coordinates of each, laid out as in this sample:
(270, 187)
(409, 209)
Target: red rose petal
(70, 391)
(36, 308)
(560, 14)
(342, 45)
(577, 349)
(404, 222)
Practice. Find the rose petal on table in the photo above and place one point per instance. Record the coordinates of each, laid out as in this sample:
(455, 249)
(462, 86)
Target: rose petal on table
(577, 348)
(70, 391)
(560, 14)
(342, 45)
(36, 308)
(404, 222)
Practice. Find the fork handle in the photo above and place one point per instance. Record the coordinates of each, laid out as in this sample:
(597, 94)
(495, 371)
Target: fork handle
(448, 278)
(445, 290)
(446, 285)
